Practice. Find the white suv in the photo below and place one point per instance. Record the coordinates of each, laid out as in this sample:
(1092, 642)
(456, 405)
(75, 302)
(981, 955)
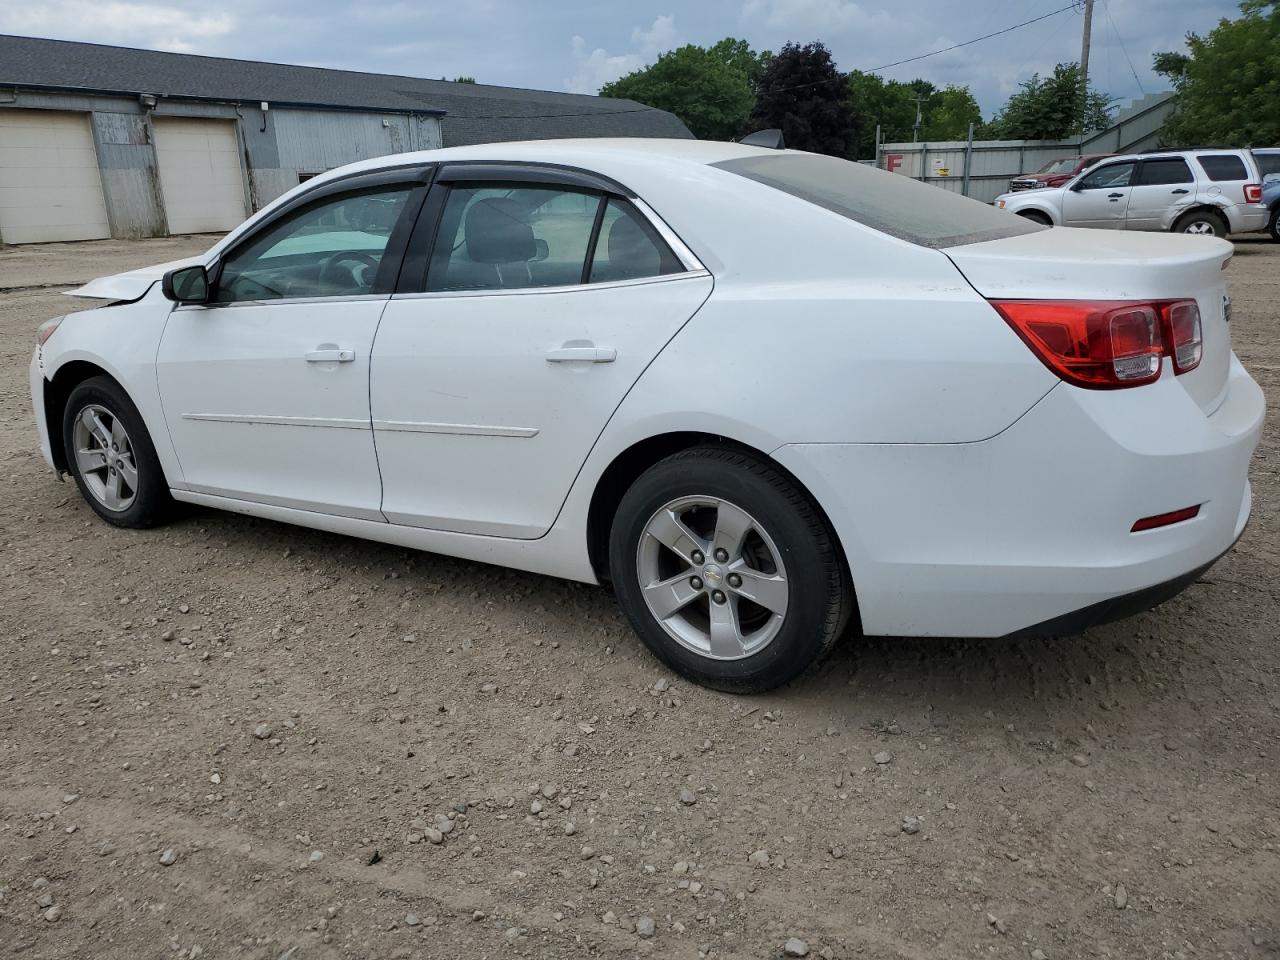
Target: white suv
(1211, 192)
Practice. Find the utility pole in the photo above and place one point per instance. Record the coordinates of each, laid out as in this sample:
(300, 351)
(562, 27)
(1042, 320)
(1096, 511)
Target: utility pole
(915, 128)
(1084, 61)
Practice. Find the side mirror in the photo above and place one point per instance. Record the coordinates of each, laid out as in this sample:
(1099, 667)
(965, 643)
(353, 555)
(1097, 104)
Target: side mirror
(186, 285)
(541, 249)
(1077, 186)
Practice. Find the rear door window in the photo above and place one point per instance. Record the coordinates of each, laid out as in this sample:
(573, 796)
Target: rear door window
(1165, 171)
(889, 202)
(511, 236)
(1223, 167)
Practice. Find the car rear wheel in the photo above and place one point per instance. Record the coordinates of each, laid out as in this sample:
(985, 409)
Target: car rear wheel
(112, 457)
(1036, 216)
(1273, 225)
(727, 571)
(1201, 223)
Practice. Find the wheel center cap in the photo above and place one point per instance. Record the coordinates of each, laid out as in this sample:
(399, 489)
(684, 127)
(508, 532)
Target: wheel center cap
(712, 574)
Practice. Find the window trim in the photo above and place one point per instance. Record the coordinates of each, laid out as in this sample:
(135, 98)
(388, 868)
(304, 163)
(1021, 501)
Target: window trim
(421, 245)
(416, 177)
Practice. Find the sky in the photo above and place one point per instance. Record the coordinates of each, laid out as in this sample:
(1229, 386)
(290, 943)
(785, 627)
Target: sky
(578, 45)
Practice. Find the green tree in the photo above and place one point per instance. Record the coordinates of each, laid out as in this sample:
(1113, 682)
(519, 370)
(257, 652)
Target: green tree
(948, 114)
(704, 89)
(1051, 108)
(738, 53)
(802, 93)
(464, 79)
(1227, 86)
(945, 114)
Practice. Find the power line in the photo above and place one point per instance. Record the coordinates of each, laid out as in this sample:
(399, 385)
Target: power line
(1106, 7)
(957, 46)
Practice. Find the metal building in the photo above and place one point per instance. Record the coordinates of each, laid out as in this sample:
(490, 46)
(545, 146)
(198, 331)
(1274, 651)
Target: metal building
(99, 141)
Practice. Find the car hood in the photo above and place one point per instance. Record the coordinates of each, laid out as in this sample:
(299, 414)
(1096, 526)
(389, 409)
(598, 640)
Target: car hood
(128, 286)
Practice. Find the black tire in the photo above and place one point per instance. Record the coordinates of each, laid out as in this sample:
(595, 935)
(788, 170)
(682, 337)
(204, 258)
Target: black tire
(1273, 225)
(1035, 216)
(1189, 222)
(819, 595)
(150, 504)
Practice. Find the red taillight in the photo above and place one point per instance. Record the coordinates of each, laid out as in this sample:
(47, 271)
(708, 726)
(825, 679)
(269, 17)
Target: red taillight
(1107, 344)
(1253, 193)
(1164, 519)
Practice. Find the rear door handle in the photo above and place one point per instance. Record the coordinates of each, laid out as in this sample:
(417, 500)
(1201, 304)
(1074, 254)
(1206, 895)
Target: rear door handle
(1180, 190)
(582, 355)
(329, 356)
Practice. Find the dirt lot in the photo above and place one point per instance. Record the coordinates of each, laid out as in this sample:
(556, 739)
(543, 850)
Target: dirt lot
(274, 705)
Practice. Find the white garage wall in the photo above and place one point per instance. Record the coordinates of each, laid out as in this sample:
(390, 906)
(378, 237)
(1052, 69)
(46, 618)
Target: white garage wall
(200, 174)
(50, 188)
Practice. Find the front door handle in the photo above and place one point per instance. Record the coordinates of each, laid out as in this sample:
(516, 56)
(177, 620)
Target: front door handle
(1180, 190)
(583, 354)
(1114, 196)
(329, 356)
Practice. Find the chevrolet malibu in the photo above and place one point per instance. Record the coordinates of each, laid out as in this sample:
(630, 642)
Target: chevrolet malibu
(767, 395)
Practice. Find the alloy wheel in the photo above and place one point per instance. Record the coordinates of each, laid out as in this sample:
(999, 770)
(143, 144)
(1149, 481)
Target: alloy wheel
(712, 577)
(1201, 228)
(105, 458)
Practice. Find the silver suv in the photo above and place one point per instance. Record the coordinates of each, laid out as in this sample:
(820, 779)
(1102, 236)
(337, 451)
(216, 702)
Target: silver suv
(1211, 192)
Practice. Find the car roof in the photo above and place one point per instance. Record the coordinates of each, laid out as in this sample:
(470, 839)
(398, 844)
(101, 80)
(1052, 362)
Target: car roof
(597, 154)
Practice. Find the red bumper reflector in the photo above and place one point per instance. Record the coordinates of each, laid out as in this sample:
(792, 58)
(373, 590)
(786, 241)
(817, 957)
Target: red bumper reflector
(1164, 519)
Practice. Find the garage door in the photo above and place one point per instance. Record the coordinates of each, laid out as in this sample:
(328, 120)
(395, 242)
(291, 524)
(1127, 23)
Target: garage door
(199, 174)
(50, 188)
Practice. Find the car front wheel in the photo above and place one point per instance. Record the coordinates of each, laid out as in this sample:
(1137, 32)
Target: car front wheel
(111, 456)
(727, 571)
(1273, 225)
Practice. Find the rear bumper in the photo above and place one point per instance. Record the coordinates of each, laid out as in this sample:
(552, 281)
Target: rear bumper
(1248, 218)
(1117, 608)
(1033, 525)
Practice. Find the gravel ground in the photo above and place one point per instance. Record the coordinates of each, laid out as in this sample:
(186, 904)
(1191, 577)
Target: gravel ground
(232, 738)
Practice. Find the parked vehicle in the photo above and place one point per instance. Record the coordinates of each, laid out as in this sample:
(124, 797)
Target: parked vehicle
(1268, 161)
(1209, 192)
(1056, 172)
(765, 393)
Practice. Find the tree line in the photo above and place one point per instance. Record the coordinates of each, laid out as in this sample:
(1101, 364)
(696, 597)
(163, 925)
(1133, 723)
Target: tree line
(1226, 87)
(726, 90)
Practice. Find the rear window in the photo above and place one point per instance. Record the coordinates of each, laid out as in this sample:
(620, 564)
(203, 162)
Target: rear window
(1221, 167)
(888, 202)
(1267, 162)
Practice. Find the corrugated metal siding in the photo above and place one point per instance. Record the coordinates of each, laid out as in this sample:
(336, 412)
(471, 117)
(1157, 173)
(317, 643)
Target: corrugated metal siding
(129, 182)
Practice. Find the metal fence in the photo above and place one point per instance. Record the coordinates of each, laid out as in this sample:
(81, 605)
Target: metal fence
(982, 169)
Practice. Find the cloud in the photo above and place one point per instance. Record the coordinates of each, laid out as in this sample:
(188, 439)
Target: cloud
(158, 26)
(594, 68)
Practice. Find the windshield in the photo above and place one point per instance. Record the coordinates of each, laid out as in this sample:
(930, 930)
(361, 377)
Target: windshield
(1065, 165)
(889, 202)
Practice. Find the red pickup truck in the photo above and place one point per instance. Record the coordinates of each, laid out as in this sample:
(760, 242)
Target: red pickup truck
(1056, 172)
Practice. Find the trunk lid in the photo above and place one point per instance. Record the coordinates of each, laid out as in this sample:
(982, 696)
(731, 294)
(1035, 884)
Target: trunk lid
(1065, 263)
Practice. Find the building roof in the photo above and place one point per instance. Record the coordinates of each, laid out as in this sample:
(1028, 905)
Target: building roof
(472, 113)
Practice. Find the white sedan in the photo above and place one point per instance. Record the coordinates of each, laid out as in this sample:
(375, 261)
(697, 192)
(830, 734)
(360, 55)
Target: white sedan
(766, 394)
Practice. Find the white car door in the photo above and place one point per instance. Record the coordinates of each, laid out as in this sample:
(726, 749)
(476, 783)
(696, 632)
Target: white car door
(266, 388)
(1100, 198)
(542, 304)
(1163, 186)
